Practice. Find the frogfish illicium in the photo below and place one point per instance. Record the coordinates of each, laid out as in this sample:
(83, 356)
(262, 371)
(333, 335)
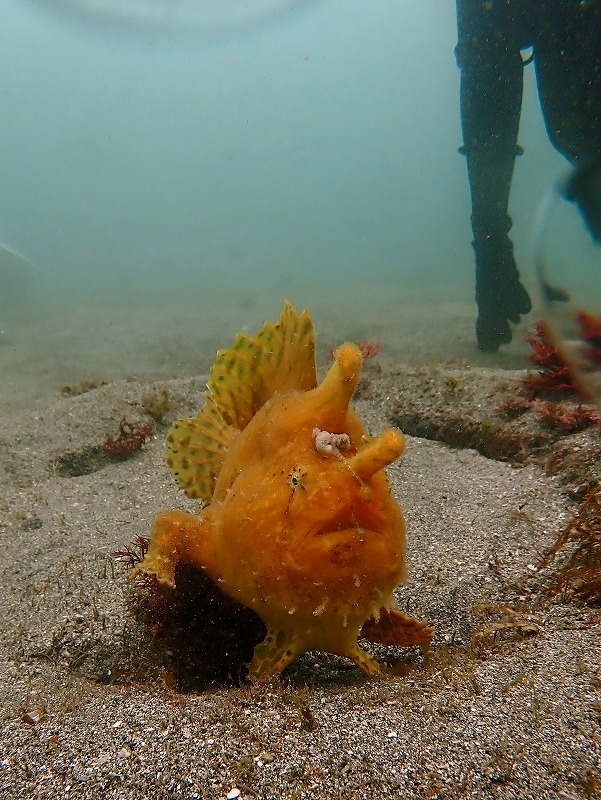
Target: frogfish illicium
(298, 521)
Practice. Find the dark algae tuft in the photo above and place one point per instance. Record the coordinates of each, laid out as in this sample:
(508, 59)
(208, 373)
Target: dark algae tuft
(206, 636)
(133, 554)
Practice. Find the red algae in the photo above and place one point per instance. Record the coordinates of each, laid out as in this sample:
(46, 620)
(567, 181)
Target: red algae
(128, 441)
(553, 373)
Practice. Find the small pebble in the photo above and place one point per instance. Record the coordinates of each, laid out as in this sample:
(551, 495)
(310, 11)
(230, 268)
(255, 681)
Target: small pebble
(34, 716)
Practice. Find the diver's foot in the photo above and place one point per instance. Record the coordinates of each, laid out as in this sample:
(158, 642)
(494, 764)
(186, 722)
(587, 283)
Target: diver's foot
(491, 332)
(492, 325)
(516, 302)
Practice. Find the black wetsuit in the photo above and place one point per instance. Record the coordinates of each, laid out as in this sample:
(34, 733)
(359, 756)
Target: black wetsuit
(565, 37)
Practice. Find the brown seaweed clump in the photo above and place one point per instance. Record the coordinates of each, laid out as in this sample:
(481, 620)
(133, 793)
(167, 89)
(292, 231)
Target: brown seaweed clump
(207, 636)
(157, 404)
(85, 385)
(579, 578)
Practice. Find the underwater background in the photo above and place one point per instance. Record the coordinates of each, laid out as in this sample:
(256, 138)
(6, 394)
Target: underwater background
(173, 180)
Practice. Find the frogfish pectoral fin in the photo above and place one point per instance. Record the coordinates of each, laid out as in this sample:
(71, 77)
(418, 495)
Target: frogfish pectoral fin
(365, 661)
(273, 654)
(177, 536)
(279, 648)
(395, 628)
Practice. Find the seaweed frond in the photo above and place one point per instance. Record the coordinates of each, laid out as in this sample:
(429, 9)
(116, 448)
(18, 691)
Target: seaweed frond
(580, 576)
(369, 348)
(590, 333)
(553, 374)
(133, 554)
(566, 417)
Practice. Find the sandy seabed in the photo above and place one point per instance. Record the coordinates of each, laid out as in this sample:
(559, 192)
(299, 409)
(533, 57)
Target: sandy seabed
(90, 708)
(46, 345)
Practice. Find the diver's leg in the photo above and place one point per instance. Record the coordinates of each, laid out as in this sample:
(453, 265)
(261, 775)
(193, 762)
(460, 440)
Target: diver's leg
(488, 54)
(568, 73)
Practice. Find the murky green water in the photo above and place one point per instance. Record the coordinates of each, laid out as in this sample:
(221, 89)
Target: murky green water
(173, 182)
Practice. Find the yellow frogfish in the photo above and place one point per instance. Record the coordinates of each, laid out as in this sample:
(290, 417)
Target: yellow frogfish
(298, 521)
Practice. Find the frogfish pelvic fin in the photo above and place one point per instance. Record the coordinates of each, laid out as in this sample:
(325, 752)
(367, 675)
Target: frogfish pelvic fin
(298, 520)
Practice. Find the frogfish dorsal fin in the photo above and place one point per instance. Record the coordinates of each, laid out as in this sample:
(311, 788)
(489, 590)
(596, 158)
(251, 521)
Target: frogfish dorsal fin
(280, 358)
(196, 448)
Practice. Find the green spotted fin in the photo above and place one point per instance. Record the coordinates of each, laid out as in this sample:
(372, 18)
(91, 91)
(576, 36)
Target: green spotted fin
(196, 448)
(280, 358)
